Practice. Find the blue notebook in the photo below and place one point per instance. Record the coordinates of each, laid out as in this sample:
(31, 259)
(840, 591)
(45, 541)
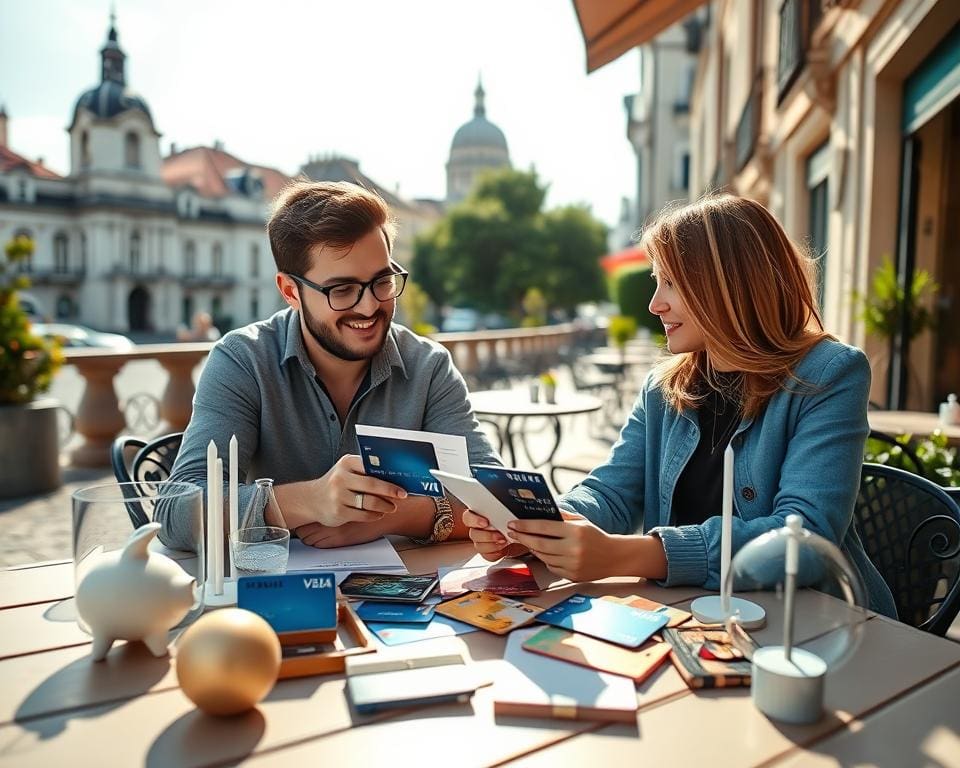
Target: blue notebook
(605, 620)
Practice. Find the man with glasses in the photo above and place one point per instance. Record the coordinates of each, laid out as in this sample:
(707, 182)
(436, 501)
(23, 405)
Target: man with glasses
(293, 387)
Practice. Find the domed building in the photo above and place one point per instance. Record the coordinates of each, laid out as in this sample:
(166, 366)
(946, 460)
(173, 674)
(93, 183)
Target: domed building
(477, 146)
(131, 241)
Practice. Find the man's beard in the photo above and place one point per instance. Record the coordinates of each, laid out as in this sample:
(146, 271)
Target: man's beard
(330, 341)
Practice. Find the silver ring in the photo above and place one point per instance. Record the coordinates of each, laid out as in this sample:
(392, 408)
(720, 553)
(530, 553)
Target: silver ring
(358, 501)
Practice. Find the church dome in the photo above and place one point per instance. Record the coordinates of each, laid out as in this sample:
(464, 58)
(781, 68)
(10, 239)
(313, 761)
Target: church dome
(479, 132)
(111, 97)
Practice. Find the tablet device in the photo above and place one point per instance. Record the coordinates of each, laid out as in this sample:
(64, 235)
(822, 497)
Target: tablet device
(382, 586)
(502, 494)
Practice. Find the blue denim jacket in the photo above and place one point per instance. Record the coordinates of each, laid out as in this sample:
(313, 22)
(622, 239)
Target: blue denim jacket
(801, 455)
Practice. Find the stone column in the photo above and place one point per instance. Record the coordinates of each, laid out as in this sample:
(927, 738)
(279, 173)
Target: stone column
(98, 419)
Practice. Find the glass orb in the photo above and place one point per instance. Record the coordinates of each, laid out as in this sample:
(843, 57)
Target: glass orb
(829, 596)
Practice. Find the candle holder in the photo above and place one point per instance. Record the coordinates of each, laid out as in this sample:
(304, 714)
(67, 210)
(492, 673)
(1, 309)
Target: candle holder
(811, 579)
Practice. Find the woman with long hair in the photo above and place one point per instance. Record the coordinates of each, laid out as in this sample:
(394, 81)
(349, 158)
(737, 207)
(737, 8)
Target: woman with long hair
(751, 365)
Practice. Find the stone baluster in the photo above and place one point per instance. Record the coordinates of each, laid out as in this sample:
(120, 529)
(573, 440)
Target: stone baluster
(98, 420)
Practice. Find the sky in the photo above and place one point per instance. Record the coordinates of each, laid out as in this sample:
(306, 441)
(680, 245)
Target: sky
(384, 82)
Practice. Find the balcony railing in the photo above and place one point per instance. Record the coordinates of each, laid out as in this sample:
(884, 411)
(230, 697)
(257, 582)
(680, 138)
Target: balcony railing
(748, 129)
(57, 277)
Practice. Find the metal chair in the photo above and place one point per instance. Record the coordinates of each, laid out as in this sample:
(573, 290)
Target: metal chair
(913, 461)
(910, 529)
(135, 460)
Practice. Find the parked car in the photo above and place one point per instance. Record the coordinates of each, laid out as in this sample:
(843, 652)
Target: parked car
(80, 336)
(460, 320)
(32, 306)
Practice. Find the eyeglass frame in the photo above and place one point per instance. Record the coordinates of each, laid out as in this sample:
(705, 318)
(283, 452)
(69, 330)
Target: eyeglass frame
(326, 290)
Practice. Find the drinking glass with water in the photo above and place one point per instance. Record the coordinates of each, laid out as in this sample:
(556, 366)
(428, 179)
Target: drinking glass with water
(261, 550)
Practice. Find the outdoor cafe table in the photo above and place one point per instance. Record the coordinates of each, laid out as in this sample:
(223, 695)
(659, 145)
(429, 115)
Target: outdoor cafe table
(916, 423)
(505, 406)
(895, 701)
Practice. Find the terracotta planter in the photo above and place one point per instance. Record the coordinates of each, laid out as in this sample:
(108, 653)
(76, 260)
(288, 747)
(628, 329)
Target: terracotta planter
(29, 448)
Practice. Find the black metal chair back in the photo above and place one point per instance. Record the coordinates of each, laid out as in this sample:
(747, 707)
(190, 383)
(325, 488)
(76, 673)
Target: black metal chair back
(910, 529)
(138, 461)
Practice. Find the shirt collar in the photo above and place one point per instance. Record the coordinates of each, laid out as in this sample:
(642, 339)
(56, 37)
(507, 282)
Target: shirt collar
(380, 368)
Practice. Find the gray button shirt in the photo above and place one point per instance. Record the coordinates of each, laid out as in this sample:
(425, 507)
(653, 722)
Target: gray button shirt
(260, 385)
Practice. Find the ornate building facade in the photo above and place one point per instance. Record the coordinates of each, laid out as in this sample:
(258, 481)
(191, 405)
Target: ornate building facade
(133, 242)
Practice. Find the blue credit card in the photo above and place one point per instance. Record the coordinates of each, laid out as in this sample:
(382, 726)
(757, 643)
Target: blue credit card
(401, 613)
(525, 494)
(605, 620)
(291, 602)
(406, 463)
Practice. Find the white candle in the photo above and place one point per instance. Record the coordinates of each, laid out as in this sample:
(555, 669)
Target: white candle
(726, 529)
(211, 506)
(218, 525)
(234, 503)
(792, 566)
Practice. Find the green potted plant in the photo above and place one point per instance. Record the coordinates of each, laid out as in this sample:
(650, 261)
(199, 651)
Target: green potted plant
(882, 306)
(548, 383)
(29, 446)
(622, 328)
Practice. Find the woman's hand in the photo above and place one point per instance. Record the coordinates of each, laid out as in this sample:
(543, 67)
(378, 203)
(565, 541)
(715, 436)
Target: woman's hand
(488, 541)
(574, 549)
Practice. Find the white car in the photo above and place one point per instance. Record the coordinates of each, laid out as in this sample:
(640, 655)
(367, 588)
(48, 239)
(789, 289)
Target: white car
(80, 336)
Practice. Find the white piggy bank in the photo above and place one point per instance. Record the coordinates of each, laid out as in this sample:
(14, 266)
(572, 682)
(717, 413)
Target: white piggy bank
(134, 594)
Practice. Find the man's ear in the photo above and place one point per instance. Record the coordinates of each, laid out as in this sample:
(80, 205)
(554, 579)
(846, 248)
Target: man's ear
(288, 290)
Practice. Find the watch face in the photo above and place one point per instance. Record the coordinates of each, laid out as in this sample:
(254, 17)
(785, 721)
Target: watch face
(443, 527)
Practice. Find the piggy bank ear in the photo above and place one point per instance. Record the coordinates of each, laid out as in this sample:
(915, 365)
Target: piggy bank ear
(139, 541)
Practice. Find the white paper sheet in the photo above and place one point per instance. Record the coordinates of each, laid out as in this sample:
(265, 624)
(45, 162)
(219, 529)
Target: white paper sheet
(451, 450)
(377, 556)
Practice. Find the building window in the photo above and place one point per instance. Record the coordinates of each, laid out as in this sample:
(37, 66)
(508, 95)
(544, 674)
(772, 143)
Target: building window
(61, 255)
(216, 309)
(186, 311)
(254, 260)
(254, 304)
(66, 308)
(818, 208)
(22, 188)
(83, 251)
(217, 259)
(131, 144)
(135, 253)
(84, 150)
(189, 259)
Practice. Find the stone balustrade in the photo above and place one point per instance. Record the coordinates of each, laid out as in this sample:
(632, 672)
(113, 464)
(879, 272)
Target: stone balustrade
(99, 419)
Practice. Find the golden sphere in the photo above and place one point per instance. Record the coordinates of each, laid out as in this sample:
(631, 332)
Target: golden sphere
(228, 661)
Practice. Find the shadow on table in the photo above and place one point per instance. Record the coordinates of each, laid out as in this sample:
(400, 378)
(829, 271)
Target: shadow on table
(200, 739)
(128, 671)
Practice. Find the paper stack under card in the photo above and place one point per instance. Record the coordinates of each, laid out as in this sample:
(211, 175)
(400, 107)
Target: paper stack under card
(375, 556)
(538, 686)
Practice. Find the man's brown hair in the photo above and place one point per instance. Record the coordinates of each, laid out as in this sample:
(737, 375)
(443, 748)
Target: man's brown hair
(336, 214)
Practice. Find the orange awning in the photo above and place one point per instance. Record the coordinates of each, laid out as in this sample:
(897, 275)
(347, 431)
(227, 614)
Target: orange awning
(629, 258)
(612, 27)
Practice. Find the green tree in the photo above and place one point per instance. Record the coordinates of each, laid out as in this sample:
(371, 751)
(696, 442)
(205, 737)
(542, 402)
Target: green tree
(490, 250)
(633, 292)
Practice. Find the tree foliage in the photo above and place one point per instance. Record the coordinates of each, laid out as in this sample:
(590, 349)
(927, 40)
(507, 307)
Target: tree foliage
(490, 250)
(633, 292)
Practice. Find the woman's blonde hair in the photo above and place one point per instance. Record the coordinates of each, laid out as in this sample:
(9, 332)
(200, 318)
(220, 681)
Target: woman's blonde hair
(746, 286)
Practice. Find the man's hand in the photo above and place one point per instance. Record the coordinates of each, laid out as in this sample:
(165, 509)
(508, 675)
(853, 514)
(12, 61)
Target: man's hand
(343, 495)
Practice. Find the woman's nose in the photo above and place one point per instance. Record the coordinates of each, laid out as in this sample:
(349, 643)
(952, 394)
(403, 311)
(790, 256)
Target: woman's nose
(657, 305)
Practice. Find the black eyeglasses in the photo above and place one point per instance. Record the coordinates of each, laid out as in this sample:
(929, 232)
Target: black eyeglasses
(344, 296)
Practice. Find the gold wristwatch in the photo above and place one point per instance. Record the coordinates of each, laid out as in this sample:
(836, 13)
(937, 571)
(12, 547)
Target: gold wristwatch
(442, 523)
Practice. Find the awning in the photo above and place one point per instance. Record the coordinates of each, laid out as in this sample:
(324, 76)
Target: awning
(612, 27)
(624, 261)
